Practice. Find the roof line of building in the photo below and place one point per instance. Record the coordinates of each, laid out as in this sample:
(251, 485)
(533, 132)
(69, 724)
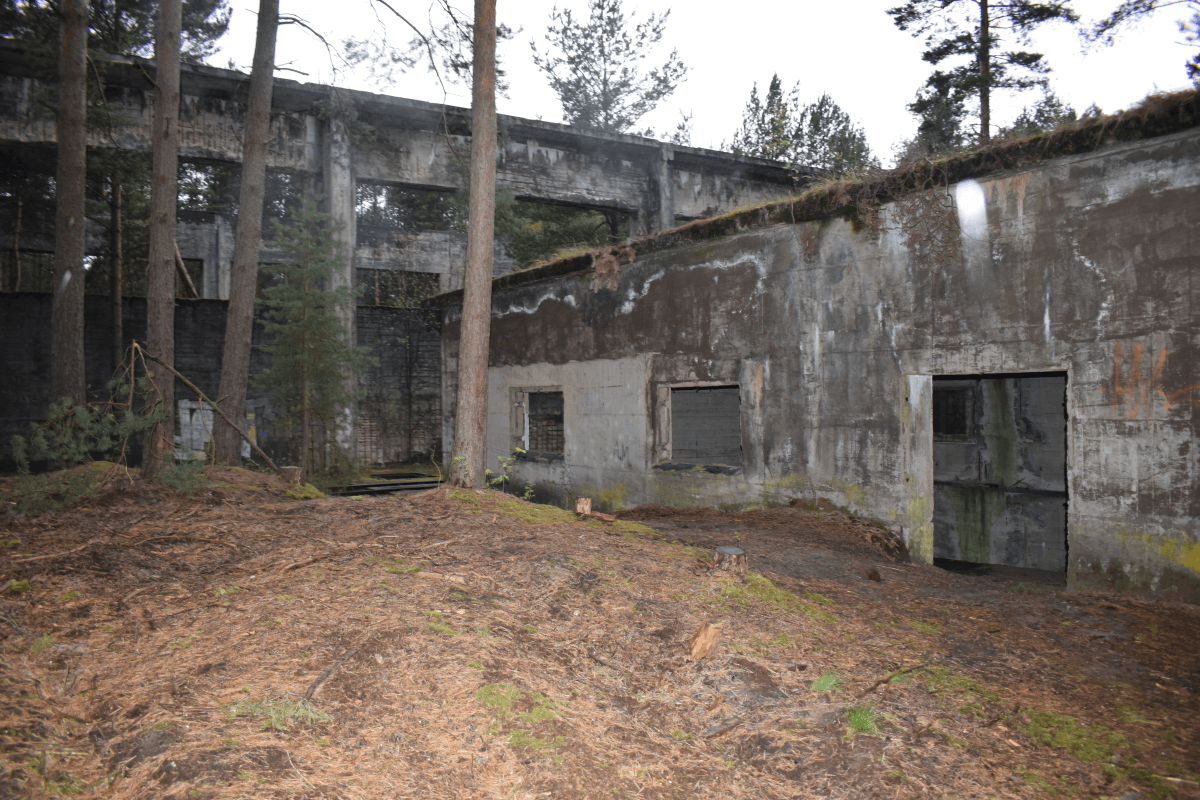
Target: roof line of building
(861, 198)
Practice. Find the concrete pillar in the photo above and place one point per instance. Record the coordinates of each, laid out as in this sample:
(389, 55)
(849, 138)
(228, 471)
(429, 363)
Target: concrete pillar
(338, 179)
(664, 181)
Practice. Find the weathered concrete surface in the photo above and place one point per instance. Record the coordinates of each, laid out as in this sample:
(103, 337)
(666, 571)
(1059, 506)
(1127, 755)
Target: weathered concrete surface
(1084, 265)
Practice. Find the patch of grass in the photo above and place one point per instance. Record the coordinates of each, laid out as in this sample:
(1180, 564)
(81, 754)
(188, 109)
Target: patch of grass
(680, 736)
(475, 665)
(863, 720)
(532, 513)
(303, 492)
(41, 644)
(499, 696)
(221, 591)
(482, 631)
(1130, 713)
(783, 641)
(939, 680)
(529, 629)
(18, 587)
(828, 682)
(185, 642)
(279, 713)
(66, 597)
(52, 492)
(925, 627)
(526, 739)
(760, 588)
(442, 628)
(819, 599)
(1095, 743)
(7, 543)
(625, 526)
(543, 709)
(1022, 588)
(285, 597)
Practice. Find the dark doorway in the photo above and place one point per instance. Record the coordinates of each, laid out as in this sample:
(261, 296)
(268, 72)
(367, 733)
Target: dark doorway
(1000, 470)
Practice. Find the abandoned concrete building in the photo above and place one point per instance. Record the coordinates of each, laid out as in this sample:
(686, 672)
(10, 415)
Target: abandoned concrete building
(355, 149)
(997, 355)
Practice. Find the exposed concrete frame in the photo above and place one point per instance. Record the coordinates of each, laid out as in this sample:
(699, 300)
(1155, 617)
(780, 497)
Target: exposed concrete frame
(337, 138)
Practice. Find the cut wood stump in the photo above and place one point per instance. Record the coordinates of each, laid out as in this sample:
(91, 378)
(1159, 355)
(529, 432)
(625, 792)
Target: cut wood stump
(732, 560)
(292, 474)
(704, 641)
(583, 506)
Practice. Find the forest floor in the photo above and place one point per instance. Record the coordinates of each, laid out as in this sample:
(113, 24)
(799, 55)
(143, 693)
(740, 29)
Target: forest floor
(235, 643)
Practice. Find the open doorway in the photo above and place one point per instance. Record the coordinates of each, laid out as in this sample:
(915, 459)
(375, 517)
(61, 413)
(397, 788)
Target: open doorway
(1000, 470)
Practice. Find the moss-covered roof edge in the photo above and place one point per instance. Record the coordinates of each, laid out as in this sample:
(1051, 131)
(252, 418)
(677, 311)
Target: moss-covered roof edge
(1157, 115)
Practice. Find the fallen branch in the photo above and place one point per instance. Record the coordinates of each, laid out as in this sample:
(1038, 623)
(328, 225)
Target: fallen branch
(52, 555)
(183, 539)
(204, 398)
(889, 678)
(321, 678)
(183, 271)
(718, 730)
(304, 563)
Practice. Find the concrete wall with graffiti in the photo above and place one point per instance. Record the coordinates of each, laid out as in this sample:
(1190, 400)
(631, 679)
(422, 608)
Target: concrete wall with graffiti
(835, 331)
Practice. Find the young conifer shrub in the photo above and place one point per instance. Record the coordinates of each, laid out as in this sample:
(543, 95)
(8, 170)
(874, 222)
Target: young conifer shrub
(311, 354)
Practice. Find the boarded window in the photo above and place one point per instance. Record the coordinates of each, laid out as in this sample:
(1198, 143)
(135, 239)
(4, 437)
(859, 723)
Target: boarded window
(545, 420)
(951, 412)
(706, 425)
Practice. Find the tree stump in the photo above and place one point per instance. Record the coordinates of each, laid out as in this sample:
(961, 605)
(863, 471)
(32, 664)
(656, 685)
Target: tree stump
(732, 560)
(583, 506)
(292, 474)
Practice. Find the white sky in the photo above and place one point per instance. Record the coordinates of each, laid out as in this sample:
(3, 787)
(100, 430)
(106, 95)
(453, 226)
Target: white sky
(849, 48)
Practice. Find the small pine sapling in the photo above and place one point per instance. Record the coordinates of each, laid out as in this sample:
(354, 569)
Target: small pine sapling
(312, 358)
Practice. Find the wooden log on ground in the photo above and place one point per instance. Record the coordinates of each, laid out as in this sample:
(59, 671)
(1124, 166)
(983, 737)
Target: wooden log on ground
(704, 641)
(732, 560)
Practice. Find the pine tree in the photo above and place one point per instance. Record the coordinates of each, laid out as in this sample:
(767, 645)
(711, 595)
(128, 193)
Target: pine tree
(1132, 11)
(309, 349)
(595, 66)
(819, 134)
(971, 33)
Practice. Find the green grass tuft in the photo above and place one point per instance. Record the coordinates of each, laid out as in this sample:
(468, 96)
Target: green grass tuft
(279, 713)
(42, 643)
(862, 719)
(828, 682)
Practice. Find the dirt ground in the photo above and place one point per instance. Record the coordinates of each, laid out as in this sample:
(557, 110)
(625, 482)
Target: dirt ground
(458, 644)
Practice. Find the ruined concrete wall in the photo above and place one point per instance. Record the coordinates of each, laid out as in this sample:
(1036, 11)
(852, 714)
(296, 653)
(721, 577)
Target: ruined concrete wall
(402, 391)
(833, 331)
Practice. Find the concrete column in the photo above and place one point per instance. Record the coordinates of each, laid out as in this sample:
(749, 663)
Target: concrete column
(338, 179)
(665, 185)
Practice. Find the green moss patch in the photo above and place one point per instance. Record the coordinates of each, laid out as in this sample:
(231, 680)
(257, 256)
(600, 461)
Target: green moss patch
(303, 492)
(760, 588)
(1091, 744)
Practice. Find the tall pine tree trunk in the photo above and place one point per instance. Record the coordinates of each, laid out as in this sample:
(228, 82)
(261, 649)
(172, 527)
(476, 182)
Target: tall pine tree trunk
(115, 267)
(239, 322)
(164, 196)
(470, 429)
(66, 342)
(985, 74)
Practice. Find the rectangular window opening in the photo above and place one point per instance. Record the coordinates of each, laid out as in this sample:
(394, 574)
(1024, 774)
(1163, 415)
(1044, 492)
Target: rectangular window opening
(706, 425)
(544, 433)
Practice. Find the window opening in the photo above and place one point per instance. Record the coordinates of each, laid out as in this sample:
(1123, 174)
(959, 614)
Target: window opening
(951, 411)
(543, 432)
(706, 425)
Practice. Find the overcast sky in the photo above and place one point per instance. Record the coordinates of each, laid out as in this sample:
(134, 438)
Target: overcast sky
(848, 48)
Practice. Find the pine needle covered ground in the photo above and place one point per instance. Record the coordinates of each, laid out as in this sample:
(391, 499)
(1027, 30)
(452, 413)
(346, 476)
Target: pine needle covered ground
(461, 644)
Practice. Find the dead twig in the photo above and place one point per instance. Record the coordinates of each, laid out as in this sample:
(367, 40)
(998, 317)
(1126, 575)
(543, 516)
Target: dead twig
(182, 539)
(304, 563)
(723, 728)
(329, 671)
(51, 555)
(889, 678)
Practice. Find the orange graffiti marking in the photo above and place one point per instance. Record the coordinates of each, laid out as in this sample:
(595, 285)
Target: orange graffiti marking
(1138, 391)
